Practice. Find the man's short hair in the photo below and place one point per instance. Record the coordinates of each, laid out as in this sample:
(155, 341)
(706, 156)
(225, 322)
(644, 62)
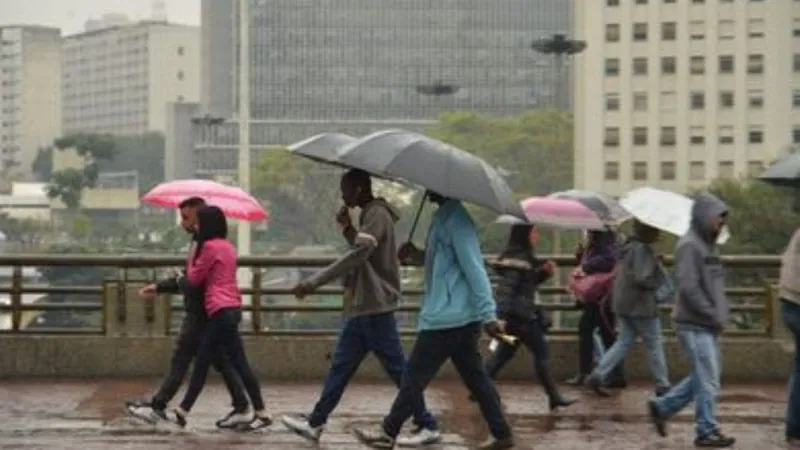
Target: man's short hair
(192, 202)
(358, 177)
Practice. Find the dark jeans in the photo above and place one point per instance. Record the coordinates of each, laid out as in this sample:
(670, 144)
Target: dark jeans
(222, 337)
(186, 345)
(791, 317)
(500, 357)
(431, 350)
(360, 335)
(532, 335)
(598, 316)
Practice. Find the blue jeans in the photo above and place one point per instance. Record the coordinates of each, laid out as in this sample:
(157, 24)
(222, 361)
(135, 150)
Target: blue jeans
(791, 317)
(628, 330)
(360, 335)
(702, 385)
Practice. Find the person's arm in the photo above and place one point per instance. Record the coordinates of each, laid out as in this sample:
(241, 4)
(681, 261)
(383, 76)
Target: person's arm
(375, 223)
(688, 264)
(645, 268)
(169, 285)
(200, 267)
(468, 254)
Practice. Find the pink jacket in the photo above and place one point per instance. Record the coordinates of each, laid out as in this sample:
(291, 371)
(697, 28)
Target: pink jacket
(215, 270)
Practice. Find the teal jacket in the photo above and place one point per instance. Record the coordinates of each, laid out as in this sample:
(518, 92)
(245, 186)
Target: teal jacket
(457, 288)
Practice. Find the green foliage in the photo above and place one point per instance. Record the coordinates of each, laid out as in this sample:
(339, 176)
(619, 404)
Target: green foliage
(67, 185)
(42, 165)
(143, 154)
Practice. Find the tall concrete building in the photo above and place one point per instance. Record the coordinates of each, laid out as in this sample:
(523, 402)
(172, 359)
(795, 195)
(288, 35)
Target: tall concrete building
(30, 93)
(676, 93)
(119, 79)
(356, 66)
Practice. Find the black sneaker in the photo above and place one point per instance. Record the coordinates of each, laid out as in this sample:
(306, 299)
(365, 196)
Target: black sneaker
(178, 418)
(376, 438)
(715, 440)
(662, 391)
(658, 419)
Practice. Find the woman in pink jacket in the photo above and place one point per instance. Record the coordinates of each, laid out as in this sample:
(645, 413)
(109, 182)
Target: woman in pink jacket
(213, 267)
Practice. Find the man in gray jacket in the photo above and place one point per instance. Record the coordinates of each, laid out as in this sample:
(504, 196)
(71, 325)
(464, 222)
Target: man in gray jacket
(700, 315)
(372, 290)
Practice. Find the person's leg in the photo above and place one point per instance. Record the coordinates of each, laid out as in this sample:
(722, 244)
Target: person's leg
(499, 357)
(650, 331)
(430, 352)
(202, 362)
(791, 317)
(709, 374)
(615, 354)
(586, 327)
(607, 325)
(383, 339)
(532, 336)
(240, 414)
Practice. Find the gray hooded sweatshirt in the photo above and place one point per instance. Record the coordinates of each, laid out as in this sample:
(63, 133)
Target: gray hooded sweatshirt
(700, 277)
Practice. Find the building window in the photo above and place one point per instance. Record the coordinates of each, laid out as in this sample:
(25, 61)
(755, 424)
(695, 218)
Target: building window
(668, 137)
(612, 2)
(640, 66)
(180, 98)
(612, 32)
(697, 30)
(669, 1)
(726, 99)
(697, 171)
(796, 63)
(796, 134)
(796, 28)
(181, 51)
(640, 32)
(698, 2)
(755, 28)
(725, 29)
(611, 138)
(640, 101)
(668, 101)
(639, 136)
(641, 2)
(755, 64)
(725, 169)
(667, 170)
(697, 135)
(755, 98)
(697, 65)
(612, 102)
(639, 171)
(612, 67)
(180, 75)
(755, 135)
(754, 168)
(726, 135)
(669, 31)
(697, 100)
(796, 98)
(726, 64)
(668, 65)
(612, 171)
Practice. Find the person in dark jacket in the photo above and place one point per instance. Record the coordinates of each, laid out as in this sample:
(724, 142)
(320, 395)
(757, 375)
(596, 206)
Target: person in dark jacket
(520, 273)
(188, 341)
(599, 255)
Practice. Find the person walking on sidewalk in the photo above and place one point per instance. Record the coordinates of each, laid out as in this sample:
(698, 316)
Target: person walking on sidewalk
(372, 292)
(700, 315)
(191, 332)
(640, 285)
(213, 266)
(520, 274)
(789, 292)
(457, 303)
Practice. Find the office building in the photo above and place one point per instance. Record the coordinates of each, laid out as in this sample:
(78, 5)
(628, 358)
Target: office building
(676, 93)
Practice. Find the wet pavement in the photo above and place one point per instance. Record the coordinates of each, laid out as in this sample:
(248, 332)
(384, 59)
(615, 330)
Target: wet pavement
(89, 415)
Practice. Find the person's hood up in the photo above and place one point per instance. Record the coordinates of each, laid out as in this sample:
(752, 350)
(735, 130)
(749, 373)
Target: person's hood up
(382, 201)
(706, 207)
(603, 241)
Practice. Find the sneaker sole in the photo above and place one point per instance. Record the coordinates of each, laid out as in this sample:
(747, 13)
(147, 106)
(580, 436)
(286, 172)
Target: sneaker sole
(300, 432)
(419, 444)
(147, 419)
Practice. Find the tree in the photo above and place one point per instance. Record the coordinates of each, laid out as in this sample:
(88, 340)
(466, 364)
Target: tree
(68, 184)
(142, 153)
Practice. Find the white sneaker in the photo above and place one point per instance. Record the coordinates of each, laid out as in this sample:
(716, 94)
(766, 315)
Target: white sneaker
(235, 419)
(420, 437)
(301, 427)
(145, 412)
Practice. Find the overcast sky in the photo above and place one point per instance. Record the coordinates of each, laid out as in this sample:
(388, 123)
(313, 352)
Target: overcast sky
(70, 15)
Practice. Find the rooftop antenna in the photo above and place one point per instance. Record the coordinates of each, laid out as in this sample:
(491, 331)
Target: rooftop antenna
(159, 10)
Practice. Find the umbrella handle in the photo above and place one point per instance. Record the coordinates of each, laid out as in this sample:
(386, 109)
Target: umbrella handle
(416, 218)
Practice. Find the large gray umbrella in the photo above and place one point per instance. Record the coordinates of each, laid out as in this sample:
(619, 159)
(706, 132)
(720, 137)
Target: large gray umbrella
(322, 147)
(442, 168)
(784, 172)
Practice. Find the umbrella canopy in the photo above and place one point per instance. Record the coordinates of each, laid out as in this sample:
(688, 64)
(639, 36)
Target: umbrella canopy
(606, 207)
(784, 172)
(665, 210)
(234, 202)
(442, 168)
(555, 212)
(322, 147)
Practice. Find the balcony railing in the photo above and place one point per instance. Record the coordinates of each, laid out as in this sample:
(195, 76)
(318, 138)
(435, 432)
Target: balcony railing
(271, 310)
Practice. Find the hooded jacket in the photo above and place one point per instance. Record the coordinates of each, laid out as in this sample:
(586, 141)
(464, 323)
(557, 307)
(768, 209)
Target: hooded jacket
(699, 274)
(519, 274)
(602, 253)
(638, 277)
(372, 285)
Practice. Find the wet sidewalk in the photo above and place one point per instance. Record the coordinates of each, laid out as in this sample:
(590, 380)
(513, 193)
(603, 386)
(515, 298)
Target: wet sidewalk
(89, 415)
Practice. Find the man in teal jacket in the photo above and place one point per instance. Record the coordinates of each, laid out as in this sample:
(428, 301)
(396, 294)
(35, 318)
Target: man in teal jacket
(458, 302)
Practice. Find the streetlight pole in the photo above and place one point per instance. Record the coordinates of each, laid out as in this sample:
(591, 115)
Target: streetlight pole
(243, 228)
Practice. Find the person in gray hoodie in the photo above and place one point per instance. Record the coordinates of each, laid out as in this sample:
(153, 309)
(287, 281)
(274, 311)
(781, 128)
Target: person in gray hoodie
(372, 291)
(700, 315)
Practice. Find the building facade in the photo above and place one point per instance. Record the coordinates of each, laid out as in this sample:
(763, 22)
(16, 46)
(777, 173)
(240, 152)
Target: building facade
(120, 79)
(30, 93)
(356, 66)
(676, 93)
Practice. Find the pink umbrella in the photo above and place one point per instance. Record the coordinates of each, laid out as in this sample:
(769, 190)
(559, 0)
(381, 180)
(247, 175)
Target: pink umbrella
(561, 213)
(234, 202)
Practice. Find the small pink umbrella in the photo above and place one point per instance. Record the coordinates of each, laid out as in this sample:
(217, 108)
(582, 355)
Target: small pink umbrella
(234, 202)
(559, 213)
